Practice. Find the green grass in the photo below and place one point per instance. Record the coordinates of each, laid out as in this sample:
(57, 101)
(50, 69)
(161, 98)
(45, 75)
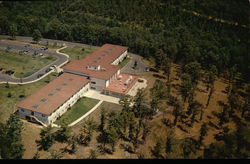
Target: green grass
(7, 104)
(24, 65)
(76, 52)
(124, 62)
(78, 110)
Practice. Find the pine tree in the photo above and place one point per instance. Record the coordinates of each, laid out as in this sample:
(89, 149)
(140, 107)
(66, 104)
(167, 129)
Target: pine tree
(156, 152)
(47, 138)
(203, 132)
(169, 144)
(63, 134)
(11, 146)
(37, 35)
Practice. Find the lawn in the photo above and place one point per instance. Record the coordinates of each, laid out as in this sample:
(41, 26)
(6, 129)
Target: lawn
(24, 65)
(79, 109)
(76, 52)
(124, 62)
(18, 93)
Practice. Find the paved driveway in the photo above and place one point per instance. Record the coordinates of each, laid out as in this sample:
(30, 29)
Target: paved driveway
(98, 95)
(128, 68)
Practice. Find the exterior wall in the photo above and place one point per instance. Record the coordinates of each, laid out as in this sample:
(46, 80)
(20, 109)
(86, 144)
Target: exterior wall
(48, 119)
(99, 83)
(120, 58)
(69, 103)
(112, 78)
(25, 112)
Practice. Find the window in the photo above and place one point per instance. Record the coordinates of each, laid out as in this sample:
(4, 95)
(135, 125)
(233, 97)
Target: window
(92, 82)
(22, 110)
(70, 79)
(32, 113)
(43, 115)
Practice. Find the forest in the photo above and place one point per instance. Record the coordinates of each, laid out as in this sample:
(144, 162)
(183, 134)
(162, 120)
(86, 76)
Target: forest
(200, 96)
(145, 26)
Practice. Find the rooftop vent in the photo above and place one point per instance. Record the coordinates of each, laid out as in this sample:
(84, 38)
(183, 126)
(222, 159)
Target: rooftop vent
(65, 84)
(70, 79)
(58, 89)
(44, 99)
(36, 106)
(51, 94)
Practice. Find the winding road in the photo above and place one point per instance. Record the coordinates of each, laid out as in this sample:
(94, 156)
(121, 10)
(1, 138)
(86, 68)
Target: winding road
(16, 47)
(61, 58)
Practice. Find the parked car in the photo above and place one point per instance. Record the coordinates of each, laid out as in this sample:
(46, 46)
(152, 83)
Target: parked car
(39, 75)
(47, 70)
(9, 72)
(27, 45)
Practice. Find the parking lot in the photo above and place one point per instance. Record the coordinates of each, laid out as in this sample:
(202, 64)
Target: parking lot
(32, 51)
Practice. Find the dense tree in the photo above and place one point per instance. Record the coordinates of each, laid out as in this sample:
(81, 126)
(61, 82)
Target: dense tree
(11, 146)
(63, 134)
(194, 70)
(47, 138)
(36, 35)
(177, 111)
(86, 132)
(13, 31)
(233, 145)
(186, 86)
(203, 132)
(189, 146)
(156, 151)
(169, 144)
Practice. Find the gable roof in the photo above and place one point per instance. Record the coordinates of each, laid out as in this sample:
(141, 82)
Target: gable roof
(102, 57)
(48, 98)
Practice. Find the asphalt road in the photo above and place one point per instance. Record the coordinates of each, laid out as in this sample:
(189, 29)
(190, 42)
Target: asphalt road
(4, 42)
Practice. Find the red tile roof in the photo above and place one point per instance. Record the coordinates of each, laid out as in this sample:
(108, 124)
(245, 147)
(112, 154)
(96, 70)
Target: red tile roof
(118, 85)
(103, 56)
(54, 94)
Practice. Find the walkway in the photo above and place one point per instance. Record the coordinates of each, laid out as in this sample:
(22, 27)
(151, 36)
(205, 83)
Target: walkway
(98, 95)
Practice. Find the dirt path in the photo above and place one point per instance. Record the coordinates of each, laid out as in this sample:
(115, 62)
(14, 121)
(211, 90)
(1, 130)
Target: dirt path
(215, 19)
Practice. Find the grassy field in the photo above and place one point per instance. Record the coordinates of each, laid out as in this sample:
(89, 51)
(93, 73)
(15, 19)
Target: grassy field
(7, 104)
(23, 65)
(124, 62)
(76, 52)
(78, 110)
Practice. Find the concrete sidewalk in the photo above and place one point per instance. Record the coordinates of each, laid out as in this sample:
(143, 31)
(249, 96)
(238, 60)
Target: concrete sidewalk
(98, 95)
